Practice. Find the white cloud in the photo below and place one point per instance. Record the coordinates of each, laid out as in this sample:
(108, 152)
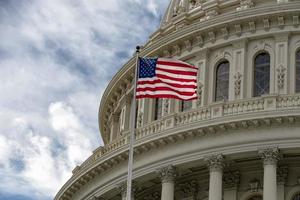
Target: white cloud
(56, 58)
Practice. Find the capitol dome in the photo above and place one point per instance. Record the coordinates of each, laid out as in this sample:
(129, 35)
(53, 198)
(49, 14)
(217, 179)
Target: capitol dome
(240, 140)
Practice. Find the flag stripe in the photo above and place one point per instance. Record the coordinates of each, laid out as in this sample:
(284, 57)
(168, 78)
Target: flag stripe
(162, 88)
(158, 82)
(157, 93)
(184, 80)
(177, 72)
(177, 68)
(164, 96)
(175, 64)
(191, 84)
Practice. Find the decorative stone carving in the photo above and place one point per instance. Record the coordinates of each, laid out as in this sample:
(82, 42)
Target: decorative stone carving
(231, 179)
(165, 106)
(212, 36)
(238, 29)
(254, 185)
(215, 162)
(139, 119)
(166, 53)
(281, 22)
(176, 50)
(282, 173)
(209, 14)
(199, 40)
(189, 189)
(280, 76)
(237, 83)
(225, 33)
(252, 26)
(296, 20)
(199, 94)
(245, 4)
(167, 174)
(266, 24)
(270, 155)
(194, 4)
(153, 196)
(188, 45)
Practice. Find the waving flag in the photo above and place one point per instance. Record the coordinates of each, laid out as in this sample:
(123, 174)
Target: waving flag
(166, 78)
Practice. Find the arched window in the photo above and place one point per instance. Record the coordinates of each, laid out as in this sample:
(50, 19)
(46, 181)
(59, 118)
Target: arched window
(298, 71)
(158, 109)
(296, 197)
(222, 81)
(256, 197)
(261, 74)
(186, 105)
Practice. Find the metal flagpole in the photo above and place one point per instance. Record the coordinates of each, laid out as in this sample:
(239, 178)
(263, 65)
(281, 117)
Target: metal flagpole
(132, 128)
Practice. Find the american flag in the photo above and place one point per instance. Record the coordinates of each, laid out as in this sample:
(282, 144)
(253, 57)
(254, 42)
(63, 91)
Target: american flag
(166, 78)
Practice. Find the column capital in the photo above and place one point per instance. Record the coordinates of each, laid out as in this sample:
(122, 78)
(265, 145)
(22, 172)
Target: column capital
(270, 155)
(167, 174)
(215, 162)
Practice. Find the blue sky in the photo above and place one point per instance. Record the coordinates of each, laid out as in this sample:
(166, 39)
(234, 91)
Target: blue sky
(56, 58)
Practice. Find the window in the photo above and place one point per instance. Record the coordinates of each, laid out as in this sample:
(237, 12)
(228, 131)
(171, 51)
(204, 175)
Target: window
(257, 197)
(298, 71)
(222, 81)
(261, 74)
(158, 109)
(296, 197)
(186, 105)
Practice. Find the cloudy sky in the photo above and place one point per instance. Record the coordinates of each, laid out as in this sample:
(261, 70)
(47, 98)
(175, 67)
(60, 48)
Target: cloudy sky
(56, 58)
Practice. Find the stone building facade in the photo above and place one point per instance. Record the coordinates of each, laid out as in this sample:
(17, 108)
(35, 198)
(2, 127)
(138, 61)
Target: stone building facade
(240, 140)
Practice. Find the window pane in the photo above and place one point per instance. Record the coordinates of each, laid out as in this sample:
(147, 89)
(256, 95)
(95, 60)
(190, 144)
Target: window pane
(158, 109)
(222, 81)
(261, 74)
(186, 105)
(298, 71)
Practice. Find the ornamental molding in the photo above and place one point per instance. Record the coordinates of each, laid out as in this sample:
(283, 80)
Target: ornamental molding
(153, 196)
(281, 70)
(245, 4)
(215, 162)
(237, 83)
(189, 188)
(282, 174)
(231, 179)
(167, 174)
(270, 155)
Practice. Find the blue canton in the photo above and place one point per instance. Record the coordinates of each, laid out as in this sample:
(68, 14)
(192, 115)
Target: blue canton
(147, 67)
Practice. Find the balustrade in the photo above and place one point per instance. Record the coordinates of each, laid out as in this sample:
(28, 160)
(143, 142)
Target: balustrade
(222, 109)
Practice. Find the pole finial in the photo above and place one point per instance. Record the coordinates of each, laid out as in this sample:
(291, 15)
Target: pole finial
(138, 49)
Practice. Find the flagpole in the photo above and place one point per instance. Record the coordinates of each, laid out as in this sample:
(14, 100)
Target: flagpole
(132, 129)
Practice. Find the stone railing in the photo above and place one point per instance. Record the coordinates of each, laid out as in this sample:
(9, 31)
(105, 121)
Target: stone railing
(215, 110)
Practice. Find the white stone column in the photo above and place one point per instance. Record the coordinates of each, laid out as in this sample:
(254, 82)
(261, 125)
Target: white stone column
(167, 175)
(215, 164)
(270, 156)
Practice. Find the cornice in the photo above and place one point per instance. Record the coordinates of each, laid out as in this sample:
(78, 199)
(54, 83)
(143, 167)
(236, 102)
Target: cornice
(201, 35)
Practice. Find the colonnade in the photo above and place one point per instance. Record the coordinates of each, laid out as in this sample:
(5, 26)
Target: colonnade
(215, 164)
